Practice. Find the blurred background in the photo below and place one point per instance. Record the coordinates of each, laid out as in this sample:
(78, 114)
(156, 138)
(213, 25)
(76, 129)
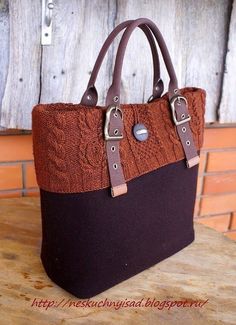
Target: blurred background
(201, 37)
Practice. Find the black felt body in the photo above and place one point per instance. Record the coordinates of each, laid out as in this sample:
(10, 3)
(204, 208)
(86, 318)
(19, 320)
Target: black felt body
(92, 241)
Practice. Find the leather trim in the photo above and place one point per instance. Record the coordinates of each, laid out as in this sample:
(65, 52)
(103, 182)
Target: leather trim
(193, 162)
(119, 190)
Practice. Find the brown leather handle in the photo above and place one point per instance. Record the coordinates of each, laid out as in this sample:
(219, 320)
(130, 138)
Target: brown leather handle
(90, 96)
(113, 95)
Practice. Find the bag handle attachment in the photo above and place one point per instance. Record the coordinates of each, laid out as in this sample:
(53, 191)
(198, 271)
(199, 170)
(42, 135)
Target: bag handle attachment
(90, 96)
(113, 95)
(114, 121)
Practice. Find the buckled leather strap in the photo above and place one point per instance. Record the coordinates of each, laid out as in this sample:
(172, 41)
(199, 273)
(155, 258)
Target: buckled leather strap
(113, 131)
(181, 119)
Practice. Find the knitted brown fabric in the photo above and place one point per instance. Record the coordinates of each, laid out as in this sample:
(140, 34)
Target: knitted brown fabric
(69, 147)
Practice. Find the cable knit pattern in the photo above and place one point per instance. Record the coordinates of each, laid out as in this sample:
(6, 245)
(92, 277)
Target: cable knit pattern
(56, 153)
(69, 147)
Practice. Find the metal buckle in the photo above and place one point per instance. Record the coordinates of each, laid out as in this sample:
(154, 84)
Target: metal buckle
(107, 122)
(172, 105)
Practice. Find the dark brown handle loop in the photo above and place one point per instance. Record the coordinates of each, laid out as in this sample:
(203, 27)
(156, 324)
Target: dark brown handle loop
(90, 96)
(113, 95)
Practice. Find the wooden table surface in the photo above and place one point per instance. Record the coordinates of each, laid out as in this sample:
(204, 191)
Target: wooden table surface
(204, 270)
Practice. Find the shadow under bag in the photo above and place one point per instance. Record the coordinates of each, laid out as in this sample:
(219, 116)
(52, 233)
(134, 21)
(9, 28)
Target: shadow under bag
(117, 183)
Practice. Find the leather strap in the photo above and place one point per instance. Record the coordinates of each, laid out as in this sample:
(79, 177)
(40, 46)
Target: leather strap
(177, 102)
(90, 96)
(185, 133)
(115, 128)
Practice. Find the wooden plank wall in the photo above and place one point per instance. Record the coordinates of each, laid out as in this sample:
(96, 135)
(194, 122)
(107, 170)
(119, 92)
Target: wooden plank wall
(196, 33)
(4, 47)
(228, 102)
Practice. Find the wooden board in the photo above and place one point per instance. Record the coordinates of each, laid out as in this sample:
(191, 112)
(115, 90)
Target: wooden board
(228, 101)
(196, 54)
(4, 48)
(23, 77)
(204, 270)
(137, 70)
(203, 28)
(59, 72)
(79, 28)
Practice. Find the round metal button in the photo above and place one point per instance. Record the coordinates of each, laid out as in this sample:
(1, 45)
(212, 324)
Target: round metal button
(140, 132)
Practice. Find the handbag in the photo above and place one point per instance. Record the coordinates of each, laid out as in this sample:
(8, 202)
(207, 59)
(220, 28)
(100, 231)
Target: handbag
(117, 183)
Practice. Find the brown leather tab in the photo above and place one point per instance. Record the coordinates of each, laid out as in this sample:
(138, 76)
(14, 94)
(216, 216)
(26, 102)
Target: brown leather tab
(193, 162)
(90, 96)
(119, 190)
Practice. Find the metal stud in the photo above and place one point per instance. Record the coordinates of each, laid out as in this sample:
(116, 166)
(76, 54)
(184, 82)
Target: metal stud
(89, 97)
(188, 143)
(116, 98)
(183, 129)
(115, 166)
